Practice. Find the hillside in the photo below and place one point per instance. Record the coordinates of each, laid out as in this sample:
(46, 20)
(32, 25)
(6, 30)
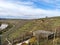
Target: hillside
(23, 26)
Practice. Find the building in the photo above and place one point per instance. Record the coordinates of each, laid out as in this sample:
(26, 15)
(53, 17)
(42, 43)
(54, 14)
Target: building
(43, 34)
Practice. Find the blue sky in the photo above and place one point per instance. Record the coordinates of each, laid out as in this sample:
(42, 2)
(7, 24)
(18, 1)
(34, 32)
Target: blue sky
(29, 9)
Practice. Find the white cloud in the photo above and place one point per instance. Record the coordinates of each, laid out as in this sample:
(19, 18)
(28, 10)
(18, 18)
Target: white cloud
(24, 10)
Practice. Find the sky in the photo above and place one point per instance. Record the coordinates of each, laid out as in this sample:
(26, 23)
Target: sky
(29, 9)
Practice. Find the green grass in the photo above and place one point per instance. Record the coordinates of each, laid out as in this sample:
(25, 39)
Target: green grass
(35, 25)
(32, 25)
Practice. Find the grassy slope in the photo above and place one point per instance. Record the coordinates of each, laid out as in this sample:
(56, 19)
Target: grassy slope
(32, 25)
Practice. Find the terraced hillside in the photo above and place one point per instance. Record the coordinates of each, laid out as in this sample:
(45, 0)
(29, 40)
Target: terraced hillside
(20, 27)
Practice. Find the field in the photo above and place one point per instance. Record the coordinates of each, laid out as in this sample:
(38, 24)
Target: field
(22, 26)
